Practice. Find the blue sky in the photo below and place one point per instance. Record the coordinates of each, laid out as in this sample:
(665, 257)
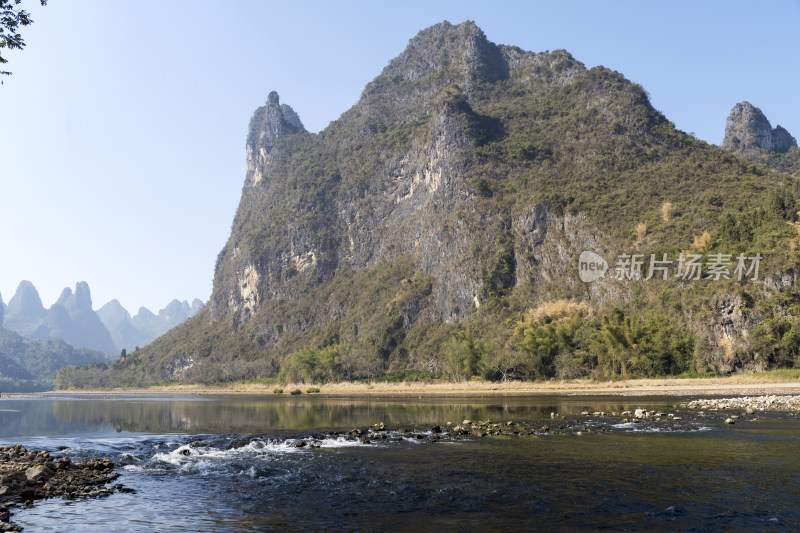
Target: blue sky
(123, 126)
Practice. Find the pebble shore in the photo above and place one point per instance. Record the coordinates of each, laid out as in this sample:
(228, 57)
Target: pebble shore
(27, 476)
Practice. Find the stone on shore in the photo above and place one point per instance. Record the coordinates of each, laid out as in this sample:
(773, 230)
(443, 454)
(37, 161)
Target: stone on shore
(749, 404)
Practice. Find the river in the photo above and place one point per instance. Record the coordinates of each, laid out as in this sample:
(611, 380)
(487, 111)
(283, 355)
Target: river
(231, 464)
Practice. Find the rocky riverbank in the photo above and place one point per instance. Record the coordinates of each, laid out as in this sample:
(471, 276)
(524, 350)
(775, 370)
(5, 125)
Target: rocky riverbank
(27, 476)
(749, 404)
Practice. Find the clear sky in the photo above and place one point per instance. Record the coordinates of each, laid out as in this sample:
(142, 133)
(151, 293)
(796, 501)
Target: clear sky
(123, 126)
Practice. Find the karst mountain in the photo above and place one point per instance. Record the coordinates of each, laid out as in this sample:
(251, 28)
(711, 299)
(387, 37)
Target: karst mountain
(436, 229)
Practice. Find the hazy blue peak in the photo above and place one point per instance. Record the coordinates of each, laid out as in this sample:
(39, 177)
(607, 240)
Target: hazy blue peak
(26, 300)
(145, 313)
(114, 304)
(64, 298)
(113, 312)
(197, 305)
(83, 296)
(80, 300)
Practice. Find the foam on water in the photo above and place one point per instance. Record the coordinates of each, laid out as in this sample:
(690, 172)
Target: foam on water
(249, 458)
(634, 427)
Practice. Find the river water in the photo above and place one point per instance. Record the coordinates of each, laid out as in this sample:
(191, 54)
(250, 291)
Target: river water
(229, 464)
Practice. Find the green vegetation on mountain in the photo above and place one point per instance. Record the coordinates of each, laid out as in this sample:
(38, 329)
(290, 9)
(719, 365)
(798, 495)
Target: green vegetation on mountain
(435, 230)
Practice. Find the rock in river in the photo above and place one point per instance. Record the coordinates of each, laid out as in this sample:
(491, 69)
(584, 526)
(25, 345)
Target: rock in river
(26, 476)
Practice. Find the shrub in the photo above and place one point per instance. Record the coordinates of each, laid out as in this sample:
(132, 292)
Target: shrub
(312, 390)
(277, 391)
(295, 392)
(557, 310)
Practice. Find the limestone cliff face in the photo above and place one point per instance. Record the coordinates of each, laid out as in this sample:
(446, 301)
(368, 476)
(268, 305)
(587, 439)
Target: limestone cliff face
(413, 199)
(747, 128)
(236, 263)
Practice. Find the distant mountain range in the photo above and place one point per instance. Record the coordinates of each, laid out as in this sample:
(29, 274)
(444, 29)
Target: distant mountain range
(130, 331)
(36, 342)
(72, 319)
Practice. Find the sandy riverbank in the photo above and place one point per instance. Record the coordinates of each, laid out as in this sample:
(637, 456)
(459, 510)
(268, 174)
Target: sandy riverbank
(741, 384)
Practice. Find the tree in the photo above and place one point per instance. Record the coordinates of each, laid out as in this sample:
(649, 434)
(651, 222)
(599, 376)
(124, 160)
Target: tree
(463, 354)
(621, 335)
(11, 18)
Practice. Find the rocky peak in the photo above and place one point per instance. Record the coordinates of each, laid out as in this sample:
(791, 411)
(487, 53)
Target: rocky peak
(782, 139)
(26, 302)
(463, 47)
(747, 128)
(144, 314)
(113, 312)
(175, 311)
(77, 302)
(290, 117)
(83, 296)
(25, 310)
(269, 122)
(64, 298)
(441, 56)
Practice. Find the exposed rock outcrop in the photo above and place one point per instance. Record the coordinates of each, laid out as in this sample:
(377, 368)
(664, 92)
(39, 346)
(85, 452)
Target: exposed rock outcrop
(268, 123)
(747, 128)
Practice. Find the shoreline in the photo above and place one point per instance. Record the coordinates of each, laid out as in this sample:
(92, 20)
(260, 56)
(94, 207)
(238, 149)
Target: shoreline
(747, 384)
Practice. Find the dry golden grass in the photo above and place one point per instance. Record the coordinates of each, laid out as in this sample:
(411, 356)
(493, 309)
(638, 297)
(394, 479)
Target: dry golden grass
(641, 232)
(702, 243)
(667, 211)
(557, 310)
